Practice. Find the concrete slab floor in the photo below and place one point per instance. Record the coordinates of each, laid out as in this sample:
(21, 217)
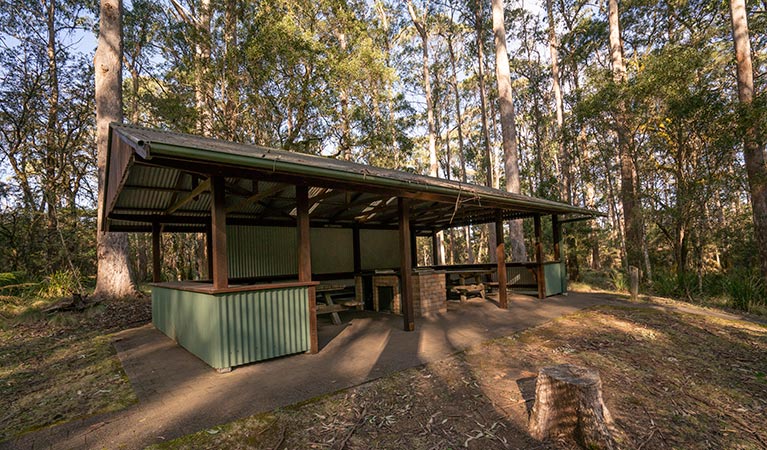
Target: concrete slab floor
(179, 394)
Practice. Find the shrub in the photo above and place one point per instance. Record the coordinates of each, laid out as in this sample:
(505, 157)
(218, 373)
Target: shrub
(745, 291)
(61, 284)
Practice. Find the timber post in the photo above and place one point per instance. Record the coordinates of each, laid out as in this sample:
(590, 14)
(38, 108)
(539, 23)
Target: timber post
(156, 268)
(436, 251)
(556, 231)
(305, 260)
(218, 233)
(541, 277)
(500, 256)
(406, 263)
(356, 249)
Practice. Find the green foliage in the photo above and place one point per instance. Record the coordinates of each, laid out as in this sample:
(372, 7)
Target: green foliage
(62, 283)
(745, 291)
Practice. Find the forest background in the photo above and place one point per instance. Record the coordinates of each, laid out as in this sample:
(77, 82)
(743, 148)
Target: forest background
(653, 139)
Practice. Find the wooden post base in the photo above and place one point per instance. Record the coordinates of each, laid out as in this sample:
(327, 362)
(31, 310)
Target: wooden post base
(568, 401)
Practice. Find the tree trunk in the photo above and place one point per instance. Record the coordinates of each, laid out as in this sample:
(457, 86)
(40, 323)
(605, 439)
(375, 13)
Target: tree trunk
(483, 96)
(50, 183)
(420, 25)
(202, 63)
(562, 156)
(461, 150)
(632, 222)
(508, 127)
(568, 401)
(114, 277)
(753, 152)
(231, 83)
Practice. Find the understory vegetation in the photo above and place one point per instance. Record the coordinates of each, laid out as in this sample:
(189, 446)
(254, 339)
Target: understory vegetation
(58, 366)
(670, 380)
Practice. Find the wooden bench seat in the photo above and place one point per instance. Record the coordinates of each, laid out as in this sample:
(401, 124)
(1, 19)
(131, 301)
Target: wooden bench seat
(329, 309)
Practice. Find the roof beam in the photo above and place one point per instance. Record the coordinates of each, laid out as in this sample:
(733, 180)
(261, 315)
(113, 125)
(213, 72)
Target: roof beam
(255, 198)
(202, 187)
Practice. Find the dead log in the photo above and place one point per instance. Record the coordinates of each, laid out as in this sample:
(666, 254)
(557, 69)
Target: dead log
(77, 302)
(568, 401)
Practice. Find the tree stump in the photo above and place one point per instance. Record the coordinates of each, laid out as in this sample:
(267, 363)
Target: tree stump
(568, 401)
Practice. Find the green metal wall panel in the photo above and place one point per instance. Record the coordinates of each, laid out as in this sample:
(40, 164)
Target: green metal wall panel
(264, 324)
(332, 250)
(261, 251)
(227, 330)
(270, 251)
(554, 277)
(379, 249)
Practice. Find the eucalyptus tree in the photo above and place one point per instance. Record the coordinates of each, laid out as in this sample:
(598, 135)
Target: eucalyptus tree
(508, 126)
(114, 275)
(753, 149)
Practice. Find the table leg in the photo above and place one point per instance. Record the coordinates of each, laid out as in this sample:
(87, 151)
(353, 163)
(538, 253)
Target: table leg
(334, 315)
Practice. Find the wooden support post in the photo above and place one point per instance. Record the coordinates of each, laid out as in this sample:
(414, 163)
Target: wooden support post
(305, 260)
(156, 268)
(556, 231)
(436, 251)
(406, 264)
(209, 249)
(500, 257)
(413, 247)
(539, 257)
(218, 233)
(356, 249)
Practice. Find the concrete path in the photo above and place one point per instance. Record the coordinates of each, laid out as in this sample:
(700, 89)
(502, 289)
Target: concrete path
(179, 394)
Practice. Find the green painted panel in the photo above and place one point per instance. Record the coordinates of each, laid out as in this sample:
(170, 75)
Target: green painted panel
(379, 249)
(332, 250)
(227, 330)
(555, 279)
(270, 251)
(261, 251)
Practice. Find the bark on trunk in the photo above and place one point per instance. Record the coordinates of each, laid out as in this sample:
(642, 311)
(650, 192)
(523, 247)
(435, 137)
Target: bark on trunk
(420, 25)
(508, 127)
(631, 209)
(568, 401)
(562, 156)
(483, 94)
(753, 152)
(202, 61)
(114, 277)
(461, 150)
(231, 79)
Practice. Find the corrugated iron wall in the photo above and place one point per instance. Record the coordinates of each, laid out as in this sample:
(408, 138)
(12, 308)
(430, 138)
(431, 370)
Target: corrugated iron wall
(271, 251)
(555, 277)
(261, 251)
(264, 324)
(232, 329)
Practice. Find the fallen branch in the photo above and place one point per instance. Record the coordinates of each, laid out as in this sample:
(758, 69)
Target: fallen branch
(282, 438)
(359, 422)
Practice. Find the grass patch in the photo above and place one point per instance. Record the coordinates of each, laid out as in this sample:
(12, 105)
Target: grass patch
(670, 380)
(54, 368)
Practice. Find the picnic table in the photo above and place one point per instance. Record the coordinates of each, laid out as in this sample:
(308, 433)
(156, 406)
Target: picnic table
(478, 287)
(477, 274)
(330, 306)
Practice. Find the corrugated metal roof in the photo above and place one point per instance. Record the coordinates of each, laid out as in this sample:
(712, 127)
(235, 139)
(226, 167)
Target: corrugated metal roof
(340, 190)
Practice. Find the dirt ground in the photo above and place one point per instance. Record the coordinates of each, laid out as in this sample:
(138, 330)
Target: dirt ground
(54, 368)
(670, 381)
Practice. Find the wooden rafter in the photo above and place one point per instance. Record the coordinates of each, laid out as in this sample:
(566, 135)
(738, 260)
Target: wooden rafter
(258, 197)
(202, 187)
